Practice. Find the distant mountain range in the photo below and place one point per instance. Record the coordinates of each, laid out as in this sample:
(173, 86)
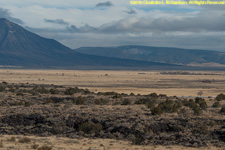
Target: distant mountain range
(159, 54)
(19, 47)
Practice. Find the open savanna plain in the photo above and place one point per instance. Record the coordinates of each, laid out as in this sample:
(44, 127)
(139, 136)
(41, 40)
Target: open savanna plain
(111, 110)
(171, 83)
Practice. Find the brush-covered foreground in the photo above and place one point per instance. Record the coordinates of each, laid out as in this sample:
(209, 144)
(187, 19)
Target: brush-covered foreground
(50, 110)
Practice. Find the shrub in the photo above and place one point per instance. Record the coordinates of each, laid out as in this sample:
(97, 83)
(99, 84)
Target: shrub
(191, 104)
(27, 104)
(90, 127)
(24, 140)
(132, 94)
(79, 100)
(101, 101)
(153, 95)
(71, 91)
(48, 101)
(54, 91)
(1, 145)
(12, 139)
(151, 104)
(220, 97)
(169, 106)
(200, 130)
(109, 93)
(126, 102)
(222, 110)
(144, 100)
(216, 105)
(35, 146)
(201, 103)
(138, 140)
(2, 88)
(4, 82)
(19, 94)
(12, 90)
(45, 147)
(41, 90)
(156, 111)
(197, 110)
(117, 96)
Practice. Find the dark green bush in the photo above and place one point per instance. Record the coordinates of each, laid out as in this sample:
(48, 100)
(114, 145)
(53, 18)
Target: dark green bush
(117, 96)
(34, 146)
(12, 139)
(156, 111)
(2, 88)
(126, 102)
(132, 94)
(216, 105)
(170, 106)
(201, 103)
(220, 97)
(203, 129)
(191, 104)
(24, 140)
(151, 104)
(70, 91)
(41, 90)
(90, 127)
(45, 147)
(153, 95)
(12, 90)
(138, 140)
(144, 100)
(101, 101)
(197, 110)
(54, 91)
(27, 104)
(4, 82)
(19, 94)
(109, 93)
(79, 100)
(222, 110)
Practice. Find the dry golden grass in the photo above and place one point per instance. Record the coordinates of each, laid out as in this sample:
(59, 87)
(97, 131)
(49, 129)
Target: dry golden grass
(59, 143)
(123, 81)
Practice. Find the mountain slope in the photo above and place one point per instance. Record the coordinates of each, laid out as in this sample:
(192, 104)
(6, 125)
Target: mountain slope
(158, 54)
(19, 47)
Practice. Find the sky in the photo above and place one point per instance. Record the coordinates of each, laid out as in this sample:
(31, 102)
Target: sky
(84, 23)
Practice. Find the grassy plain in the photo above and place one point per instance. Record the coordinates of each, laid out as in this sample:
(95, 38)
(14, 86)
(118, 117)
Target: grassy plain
(143, 82)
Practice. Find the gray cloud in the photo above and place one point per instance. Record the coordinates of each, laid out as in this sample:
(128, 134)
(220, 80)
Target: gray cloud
(131, 11)
(206, 21)
(5, 13)
(104, 4)
(193, 30)
(211, 20)
(56, 21)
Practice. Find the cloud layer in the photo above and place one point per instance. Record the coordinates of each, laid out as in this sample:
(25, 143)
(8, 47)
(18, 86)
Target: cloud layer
(110, 23)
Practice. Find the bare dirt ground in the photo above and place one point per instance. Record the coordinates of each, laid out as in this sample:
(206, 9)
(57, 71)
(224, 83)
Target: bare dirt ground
(143, 82)
(12, 142)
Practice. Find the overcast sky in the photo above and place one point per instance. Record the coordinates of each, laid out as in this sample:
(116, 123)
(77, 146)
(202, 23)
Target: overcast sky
(78, 23)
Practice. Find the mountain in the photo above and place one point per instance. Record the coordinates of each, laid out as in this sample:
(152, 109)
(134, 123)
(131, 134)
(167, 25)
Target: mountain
(19, 47)
(158, 54)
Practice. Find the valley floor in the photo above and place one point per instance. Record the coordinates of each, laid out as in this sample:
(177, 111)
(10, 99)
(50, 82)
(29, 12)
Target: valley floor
(144, 82)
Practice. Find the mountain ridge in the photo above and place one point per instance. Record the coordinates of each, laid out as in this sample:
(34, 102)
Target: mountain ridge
(158, 54)
(19, 47)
